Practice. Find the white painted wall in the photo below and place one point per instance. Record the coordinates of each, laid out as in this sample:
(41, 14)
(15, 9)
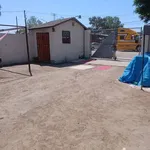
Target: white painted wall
(13, 46)
(33, 41)
(147, 43)
(87, 44)
(60, 52)
(13, 49)
(66, 52)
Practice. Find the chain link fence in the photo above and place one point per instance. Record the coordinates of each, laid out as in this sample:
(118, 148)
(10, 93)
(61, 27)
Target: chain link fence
(126, 40)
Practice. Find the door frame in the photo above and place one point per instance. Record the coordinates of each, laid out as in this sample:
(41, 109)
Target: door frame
(48, 44)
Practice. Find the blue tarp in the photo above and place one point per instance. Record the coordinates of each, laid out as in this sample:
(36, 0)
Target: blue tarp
(133, 72)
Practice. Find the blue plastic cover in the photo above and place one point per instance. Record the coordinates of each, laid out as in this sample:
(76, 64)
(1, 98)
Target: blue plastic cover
(133, 72)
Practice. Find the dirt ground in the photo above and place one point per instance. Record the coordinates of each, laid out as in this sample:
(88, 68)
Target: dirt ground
(60, 108)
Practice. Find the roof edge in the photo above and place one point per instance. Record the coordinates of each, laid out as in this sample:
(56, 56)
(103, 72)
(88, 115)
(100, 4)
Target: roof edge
(73, 18)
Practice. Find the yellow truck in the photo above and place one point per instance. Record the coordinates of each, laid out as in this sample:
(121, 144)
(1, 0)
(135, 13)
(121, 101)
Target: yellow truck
(128, 39)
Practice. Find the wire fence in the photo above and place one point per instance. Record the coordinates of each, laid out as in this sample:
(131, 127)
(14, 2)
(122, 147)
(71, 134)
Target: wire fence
(48, 16)
(127, 42)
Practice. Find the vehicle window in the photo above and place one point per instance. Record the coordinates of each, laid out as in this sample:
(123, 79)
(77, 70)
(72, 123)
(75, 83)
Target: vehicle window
(136, 37)
(122, 31)
(122, 37)
(132, 37)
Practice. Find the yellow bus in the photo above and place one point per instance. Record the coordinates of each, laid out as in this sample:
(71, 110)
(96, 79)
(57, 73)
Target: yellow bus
(128, 40)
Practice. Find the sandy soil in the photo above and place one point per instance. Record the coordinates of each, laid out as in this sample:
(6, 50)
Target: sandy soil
(67, 109)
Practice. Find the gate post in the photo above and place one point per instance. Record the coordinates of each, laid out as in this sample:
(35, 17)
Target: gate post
(87, 43)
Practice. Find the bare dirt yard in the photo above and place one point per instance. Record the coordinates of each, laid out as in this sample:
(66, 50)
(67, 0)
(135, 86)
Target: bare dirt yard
(60, 108)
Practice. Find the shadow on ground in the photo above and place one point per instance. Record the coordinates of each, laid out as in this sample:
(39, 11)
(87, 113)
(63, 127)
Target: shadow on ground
(14, 72)
(69, 64)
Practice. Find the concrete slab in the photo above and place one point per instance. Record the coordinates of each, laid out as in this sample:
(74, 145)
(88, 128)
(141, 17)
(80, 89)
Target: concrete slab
(109, 63)
(82, 67)
(126, 54)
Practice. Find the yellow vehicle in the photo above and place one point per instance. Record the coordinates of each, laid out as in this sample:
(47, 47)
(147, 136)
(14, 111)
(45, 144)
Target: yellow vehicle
(128, 40)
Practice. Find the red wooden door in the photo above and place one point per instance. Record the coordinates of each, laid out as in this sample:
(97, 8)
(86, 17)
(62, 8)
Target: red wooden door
(43, 46)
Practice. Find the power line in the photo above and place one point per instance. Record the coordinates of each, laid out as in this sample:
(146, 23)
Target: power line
(136, 21)
(62, 15)
(54, 16)
(83, 16)
(8, 11)
(132, 22)
(0, 10)
(38, 12)
(49, 13)
(97, 15)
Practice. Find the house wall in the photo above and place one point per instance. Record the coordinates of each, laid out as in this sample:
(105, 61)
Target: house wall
(61, 52)
(87, 44)
(33, 41)
(13, 49)
(147, 43)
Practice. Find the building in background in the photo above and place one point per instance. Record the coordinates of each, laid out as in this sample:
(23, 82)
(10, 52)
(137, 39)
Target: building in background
(60, 41)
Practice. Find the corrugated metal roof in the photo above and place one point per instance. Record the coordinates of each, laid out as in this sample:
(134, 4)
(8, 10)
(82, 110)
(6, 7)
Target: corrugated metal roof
(55, 23)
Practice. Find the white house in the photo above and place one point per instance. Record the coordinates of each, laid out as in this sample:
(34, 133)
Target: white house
(60, 41)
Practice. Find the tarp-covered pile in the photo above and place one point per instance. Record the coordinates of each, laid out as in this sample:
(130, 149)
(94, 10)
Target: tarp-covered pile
(133, 72)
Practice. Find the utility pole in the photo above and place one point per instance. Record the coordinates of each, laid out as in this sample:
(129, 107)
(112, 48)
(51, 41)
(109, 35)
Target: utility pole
(0, 10)
(54, 16)
(17, 23)
(27, 43)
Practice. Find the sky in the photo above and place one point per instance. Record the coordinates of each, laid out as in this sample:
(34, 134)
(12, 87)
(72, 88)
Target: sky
(43, 10)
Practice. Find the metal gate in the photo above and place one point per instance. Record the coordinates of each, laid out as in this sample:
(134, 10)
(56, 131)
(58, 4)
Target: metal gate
(127, 41)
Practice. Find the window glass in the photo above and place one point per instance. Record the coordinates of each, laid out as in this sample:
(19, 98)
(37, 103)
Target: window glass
(66, 37)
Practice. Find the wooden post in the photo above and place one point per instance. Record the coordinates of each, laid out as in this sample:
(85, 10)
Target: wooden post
(143, 61)
(27, 43)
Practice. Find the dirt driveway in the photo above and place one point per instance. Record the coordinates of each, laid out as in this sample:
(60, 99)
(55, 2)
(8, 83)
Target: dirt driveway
(67, 109)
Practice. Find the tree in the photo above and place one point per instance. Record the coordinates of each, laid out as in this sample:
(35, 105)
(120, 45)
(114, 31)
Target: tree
(105, 23)
(33, 21)
(142, 7)
(21, 31)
